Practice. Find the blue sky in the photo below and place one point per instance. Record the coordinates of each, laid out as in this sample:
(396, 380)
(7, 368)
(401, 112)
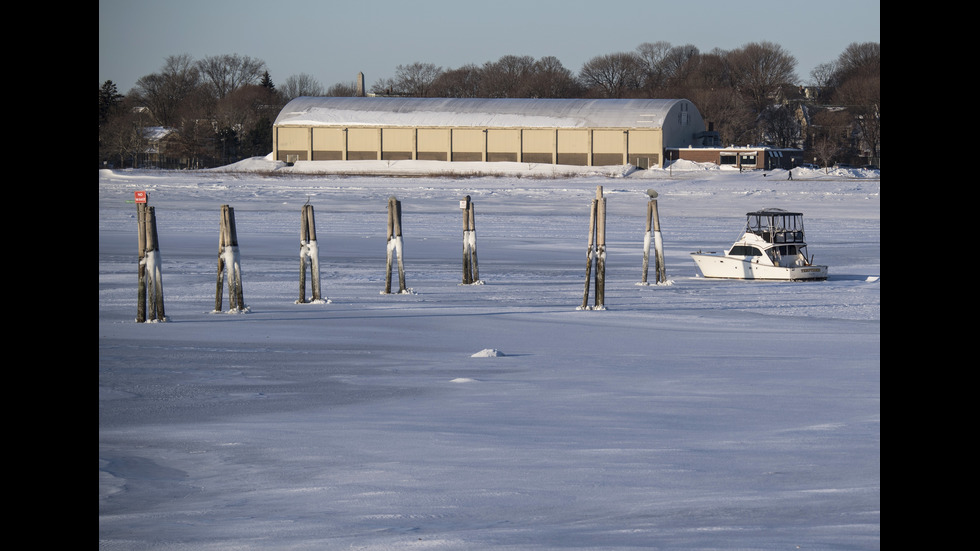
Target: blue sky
(333, 40)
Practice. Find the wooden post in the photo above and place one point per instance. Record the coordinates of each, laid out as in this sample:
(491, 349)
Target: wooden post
(395, 244)
(600, 272)
(471, 271)
(646, 242)
(398, 246)
(473, 262)
(658, 244)
(222, 239)
(589, 255)
(391, 232)
(597, 251)
(304, 236)
(154, 272)
(308, 255)
(653, 221)
(141, 240)
(150, 286)
(467, 269)
(229, 263)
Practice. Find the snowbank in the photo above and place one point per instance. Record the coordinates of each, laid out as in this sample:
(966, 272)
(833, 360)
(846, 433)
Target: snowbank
(266, 165)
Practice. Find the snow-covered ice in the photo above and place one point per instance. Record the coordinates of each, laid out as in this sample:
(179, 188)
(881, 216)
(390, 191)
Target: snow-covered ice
(699, 414)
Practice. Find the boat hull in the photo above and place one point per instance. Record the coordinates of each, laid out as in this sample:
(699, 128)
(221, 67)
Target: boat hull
(725, 267)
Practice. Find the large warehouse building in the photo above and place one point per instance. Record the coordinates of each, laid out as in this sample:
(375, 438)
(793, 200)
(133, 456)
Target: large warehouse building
(584, 132)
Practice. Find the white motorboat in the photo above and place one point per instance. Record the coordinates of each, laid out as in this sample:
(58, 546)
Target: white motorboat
(773, 246)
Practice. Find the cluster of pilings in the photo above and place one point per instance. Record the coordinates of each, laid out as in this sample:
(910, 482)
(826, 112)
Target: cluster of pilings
(229, 262)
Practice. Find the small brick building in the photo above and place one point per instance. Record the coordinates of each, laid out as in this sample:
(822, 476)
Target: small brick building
(747, 157)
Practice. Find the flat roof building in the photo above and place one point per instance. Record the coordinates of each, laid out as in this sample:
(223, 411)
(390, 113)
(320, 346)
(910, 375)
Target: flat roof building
(584, 132)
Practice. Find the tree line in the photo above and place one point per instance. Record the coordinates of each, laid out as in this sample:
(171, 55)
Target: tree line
(220, 109)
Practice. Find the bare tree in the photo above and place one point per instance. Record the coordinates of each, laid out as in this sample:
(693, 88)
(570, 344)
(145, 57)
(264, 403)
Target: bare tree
(664, 63)
(779, 126)
(825, 149)
(653, 55)
(548, 78)
(415, 79)
(248, 113)
(300, 85)
(859, 59)
(385, 87)
(226, 73)
(706, 80)
(856, 87)
(342, 90)
(507, 77)
(613, 75)
(164, 93)
(862, 96)
(122, 136)
(830, 135)
(822, 76)
(463, 82)
(760, 69)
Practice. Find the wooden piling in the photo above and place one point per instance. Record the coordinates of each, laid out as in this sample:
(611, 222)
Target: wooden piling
(653, 232)
(661, 269)
(154, 270)
(590, 254)
(471, 270)
(600, 272)
(646, 243)
(141, 270)
(596, 252)
(222, 239)
(304, 236)
(395, 245)
(229, 263)
(473, 261)
(150, 285)
(467, 269)
(308, 254)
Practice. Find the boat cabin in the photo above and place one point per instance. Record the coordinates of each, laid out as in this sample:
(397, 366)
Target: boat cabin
(780, 230)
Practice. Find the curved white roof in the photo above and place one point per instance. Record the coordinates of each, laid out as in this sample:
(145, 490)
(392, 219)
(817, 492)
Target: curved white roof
(499, 113)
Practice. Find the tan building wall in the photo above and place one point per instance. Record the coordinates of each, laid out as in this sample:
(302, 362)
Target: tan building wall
(434, 144)
(292, 141)
(581, 147)
(398, 144)
(645, 147)
(329, 144)
(469, 144)
(503, 145)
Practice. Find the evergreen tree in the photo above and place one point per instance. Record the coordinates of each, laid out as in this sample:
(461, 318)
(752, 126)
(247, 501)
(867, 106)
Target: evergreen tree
(109, 98)
(267, 81)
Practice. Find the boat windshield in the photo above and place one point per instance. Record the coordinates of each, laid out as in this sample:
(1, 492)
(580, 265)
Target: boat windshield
(776, 225)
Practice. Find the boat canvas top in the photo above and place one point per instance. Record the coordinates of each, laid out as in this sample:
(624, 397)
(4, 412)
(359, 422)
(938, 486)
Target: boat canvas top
(774, 225)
